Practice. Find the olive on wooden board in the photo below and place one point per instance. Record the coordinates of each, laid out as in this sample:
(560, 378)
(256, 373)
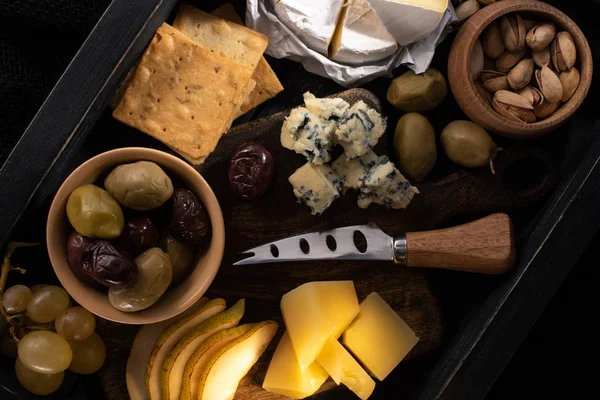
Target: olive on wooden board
(181, 255)
(469, 145)
(108, 265)
(418, 92)
(414, 144)
(76, 246)
(251, 170)
(142, 185)
(188, 221)
(94, 213)
(139, 234)
(154, 277)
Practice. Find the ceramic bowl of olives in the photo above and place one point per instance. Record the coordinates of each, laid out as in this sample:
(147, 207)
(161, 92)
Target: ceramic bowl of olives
(135, 235)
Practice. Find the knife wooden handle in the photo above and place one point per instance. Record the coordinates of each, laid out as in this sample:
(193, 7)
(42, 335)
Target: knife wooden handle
(484, 246)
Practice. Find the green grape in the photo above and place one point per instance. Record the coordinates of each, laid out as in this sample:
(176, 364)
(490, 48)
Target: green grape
(47, 304)
(36, 383)
(37, 287)
(75, 324)
(45, 352)
(16, 298)
(88, 355)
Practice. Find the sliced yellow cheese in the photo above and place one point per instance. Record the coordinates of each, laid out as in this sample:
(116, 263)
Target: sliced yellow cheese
(285, 377)
(378, 337)
(316, 311)
(343, 368)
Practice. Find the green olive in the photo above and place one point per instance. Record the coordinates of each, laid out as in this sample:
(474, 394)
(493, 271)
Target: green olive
(468, 144)
(94, 213)
(418, 92)
(154, 277)
(414, 143)
(182, 256)
(142, 185)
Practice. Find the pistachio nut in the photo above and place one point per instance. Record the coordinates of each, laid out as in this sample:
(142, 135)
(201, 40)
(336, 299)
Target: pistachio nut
(549, 85)
(540, 36)
(491, 40)
(513, 32)
(570, 82)
(541, 58)
(520, 75)
(484, 93)
(466, 9)
(477, 59)
(494, 81)
(563, 51)
(513, 106)
(508, 60)
(529, 24)
(533, 95)
(545, 109)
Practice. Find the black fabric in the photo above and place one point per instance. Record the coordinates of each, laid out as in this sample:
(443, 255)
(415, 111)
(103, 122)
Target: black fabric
(38, 38)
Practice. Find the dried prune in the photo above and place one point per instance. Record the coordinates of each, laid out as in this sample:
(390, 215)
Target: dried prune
(251, 170)
(139, 234)
(108, 265)
(189, 221)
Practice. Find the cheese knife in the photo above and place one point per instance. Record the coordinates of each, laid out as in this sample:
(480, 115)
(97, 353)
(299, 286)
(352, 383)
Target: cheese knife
(483, 246)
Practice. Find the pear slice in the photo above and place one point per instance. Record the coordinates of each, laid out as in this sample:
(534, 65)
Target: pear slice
(169, 337)
(224, 370)
(142, 347)
(174, 365)
(208, 348)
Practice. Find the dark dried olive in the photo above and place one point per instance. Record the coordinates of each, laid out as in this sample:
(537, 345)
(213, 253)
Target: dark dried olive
(139, 234)
(108, 265)
(251, 170)
(189, 221)
(76, 246)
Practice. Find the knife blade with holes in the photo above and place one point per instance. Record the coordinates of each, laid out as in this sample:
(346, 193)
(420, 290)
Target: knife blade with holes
(483, 246)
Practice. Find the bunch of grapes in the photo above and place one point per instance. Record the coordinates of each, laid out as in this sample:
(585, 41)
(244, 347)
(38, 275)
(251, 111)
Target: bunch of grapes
(50, 336)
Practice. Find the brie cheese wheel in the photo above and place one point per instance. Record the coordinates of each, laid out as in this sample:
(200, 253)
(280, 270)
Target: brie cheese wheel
(409, 20)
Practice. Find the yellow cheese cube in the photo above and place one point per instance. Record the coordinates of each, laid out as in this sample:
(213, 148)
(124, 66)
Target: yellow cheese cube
(316, 311)
(378, 337)
(343, 368)
(285, 377)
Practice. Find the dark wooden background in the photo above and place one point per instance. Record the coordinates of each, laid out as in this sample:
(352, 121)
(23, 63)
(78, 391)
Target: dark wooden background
(551, 359)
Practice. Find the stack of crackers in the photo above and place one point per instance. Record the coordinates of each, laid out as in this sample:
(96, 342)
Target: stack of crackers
(195, 78)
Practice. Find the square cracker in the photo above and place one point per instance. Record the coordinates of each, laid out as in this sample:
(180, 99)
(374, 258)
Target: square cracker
(183, 94)
(228, 39)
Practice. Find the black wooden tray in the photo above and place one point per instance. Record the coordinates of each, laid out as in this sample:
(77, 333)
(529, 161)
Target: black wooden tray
(487, 317)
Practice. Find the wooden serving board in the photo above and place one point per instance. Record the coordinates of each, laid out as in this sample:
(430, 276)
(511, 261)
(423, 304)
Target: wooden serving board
(277, 215)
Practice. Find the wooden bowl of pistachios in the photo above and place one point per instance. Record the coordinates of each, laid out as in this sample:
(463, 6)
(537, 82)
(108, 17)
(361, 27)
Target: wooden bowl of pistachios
(520, 68)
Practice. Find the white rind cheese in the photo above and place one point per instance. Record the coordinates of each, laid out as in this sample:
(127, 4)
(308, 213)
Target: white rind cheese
(409, 20)
(384, 184)
(307, 134)
(314, 186)
(351, 170)
(359, 129)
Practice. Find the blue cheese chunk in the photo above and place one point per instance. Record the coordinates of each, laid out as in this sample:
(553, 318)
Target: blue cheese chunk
(307, 134)
(359, 129)
(316, 186)
(384, 184)
(351, 170)
(330, 109)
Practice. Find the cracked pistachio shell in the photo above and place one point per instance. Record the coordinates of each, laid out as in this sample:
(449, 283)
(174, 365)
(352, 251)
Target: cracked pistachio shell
(541, 58)
(491, 41)
(513, 32)
(508, 60)
(533, 95)
(513, 106)
(549, 85)
(540, 36)
(563, 51)
(545, 109)
(570, 82)
(520, 75)
(493, 80)
(466, 9)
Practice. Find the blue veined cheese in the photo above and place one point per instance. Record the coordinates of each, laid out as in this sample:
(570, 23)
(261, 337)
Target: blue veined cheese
(315, 186)
(384, 184)
(351, 170)
(330, 109)
(307, 134)
(359, 129)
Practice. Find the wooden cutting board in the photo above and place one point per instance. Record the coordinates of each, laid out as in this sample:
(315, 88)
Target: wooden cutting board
(278, 215)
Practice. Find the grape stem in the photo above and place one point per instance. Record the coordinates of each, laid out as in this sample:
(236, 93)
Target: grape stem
(6, 268)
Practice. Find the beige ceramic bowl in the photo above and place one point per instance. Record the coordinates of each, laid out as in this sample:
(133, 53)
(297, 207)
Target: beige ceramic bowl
(175, 300)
